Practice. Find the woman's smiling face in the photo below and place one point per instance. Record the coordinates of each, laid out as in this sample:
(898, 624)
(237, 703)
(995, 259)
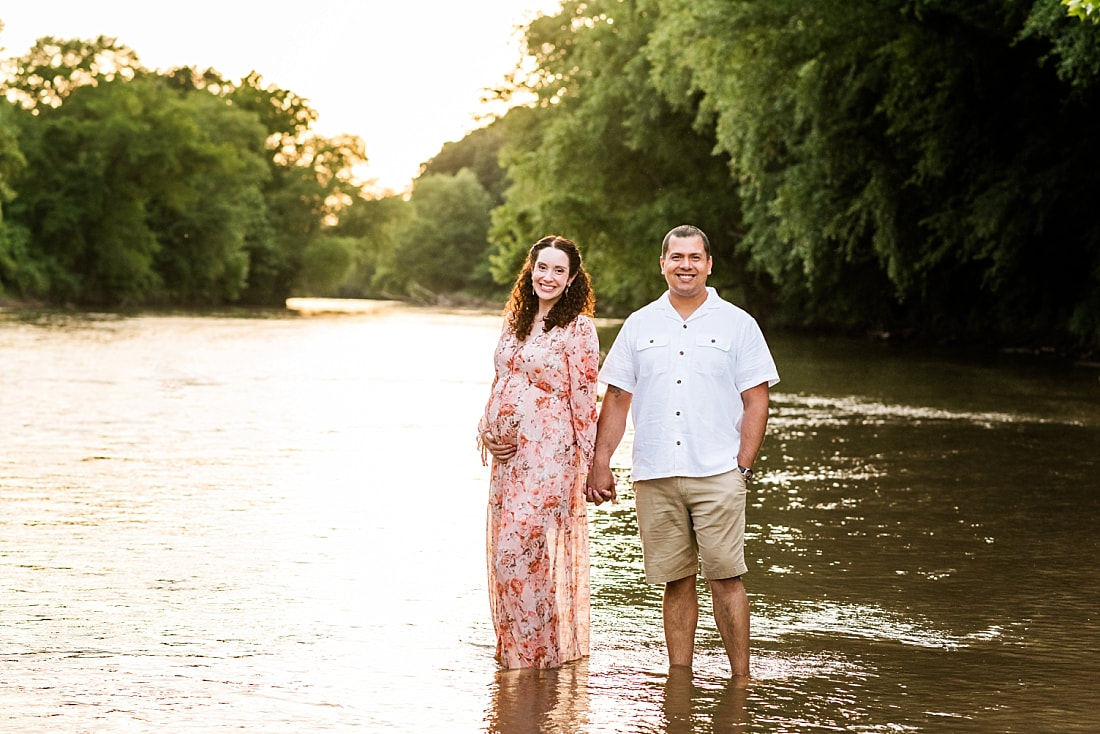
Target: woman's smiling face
(550, 275)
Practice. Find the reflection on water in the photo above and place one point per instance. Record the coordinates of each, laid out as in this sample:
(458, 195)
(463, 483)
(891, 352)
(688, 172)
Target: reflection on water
(532, 700)
(689, 708)
(276, 523)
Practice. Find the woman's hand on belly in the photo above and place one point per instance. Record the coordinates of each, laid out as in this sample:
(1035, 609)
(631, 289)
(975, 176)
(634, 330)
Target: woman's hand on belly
(501, 451)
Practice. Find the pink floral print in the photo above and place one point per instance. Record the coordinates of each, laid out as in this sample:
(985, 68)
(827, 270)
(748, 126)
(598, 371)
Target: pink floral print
(544, 400)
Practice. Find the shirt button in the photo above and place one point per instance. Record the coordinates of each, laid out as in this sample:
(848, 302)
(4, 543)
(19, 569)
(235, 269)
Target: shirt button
(685, 326)
(678, 382)
(677, 412)
(681, 354)
(677, 443)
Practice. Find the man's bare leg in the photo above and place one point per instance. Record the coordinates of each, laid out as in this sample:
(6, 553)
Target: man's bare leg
(681, 616)
(731, 614)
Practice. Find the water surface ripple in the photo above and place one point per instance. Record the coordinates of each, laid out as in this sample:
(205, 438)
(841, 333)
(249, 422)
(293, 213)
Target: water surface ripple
(276, 523)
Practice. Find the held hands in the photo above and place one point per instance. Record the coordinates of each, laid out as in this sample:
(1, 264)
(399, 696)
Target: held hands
(500, 451)
(600, 486)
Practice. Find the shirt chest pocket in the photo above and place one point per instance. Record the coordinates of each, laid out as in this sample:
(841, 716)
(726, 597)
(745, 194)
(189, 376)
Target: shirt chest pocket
(652, 354)
(712, 354)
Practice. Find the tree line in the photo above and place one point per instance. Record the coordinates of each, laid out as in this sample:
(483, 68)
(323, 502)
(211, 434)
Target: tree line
(921, 168)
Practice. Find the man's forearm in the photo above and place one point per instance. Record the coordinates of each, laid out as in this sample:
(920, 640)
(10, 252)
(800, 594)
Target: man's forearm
(612, 424)
(754, 424)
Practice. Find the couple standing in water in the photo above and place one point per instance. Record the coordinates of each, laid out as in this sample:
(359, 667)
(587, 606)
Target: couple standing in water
(694, 371)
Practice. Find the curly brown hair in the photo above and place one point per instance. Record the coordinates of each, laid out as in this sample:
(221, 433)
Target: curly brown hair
(523, 304)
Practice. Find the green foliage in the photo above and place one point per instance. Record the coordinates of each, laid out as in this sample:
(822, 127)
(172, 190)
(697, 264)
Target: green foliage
(893, 165)
(442, 246)
(897, 168)
(478, 151)
(794, 92)
(1083, 9)
(605, 161)
(134, 194)
(20, 274)
(923, 166)
(373, 225)
(310, 182)
(54, 67)
(176, 187)
(1074, 47)
(12, 160)
(326, 264)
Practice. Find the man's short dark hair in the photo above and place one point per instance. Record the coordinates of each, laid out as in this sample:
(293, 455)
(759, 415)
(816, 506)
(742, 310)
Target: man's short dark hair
(686, 231)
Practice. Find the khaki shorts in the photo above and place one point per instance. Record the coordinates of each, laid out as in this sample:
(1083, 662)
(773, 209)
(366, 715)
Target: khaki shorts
(683, 519)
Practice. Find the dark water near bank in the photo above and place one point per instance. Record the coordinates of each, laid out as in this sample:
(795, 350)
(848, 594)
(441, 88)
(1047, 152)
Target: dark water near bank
(277, 524)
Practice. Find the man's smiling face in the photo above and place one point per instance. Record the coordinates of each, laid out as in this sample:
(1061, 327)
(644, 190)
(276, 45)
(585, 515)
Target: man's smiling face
(686, 267)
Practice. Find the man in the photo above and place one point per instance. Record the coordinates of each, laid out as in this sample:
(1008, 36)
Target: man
(695, 371)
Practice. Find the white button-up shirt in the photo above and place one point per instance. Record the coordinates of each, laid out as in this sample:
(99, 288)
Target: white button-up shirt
(686, 379)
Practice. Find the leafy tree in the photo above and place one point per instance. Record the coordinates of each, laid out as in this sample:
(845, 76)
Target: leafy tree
(326, 264)
(373, 225)
(1083, 9)
(1074, 47)
(134, 194)
(178, 186)
(442, 245)
(900, 163)
(42, 79)
(53, 68)
(310, 182)
(11, 157)
(203, 234)
(605, 160)
(19, 272)
(478, 151)
(790, 90)
(879, 164)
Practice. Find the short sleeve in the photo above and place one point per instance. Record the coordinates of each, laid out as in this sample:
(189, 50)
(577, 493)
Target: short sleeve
(619, 367)
(755, 364)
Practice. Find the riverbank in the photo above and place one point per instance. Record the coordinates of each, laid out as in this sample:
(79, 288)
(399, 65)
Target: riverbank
(307, 306)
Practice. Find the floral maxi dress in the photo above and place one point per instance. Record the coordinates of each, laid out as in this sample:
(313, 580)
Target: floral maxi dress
(544, 400)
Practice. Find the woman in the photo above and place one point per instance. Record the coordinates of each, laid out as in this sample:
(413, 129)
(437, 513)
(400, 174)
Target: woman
(540, 427)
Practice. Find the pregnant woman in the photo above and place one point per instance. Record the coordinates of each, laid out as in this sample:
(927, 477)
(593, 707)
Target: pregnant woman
(540, 426)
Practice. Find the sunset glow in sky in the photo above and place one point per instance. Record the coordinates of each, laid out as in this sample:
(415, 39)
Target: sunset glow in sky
(405, 76)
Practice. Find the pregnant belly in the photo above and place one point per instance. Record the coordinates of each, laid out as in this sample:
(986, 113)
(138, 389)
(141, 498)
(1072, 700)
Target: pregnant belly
(504, 421)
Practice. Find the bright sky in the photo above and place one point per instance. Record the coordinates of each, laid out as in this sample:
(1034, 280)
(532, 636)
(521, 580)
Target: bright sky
(404, 75)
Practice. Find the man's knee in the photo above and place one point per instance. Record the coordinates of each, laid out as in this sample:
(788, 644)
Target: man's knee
(729, 579)
(731, 585)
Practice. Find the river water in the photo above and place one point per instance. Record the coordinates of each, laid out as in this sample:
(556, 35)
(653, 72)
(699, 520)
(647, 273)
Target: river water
(276, 523)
